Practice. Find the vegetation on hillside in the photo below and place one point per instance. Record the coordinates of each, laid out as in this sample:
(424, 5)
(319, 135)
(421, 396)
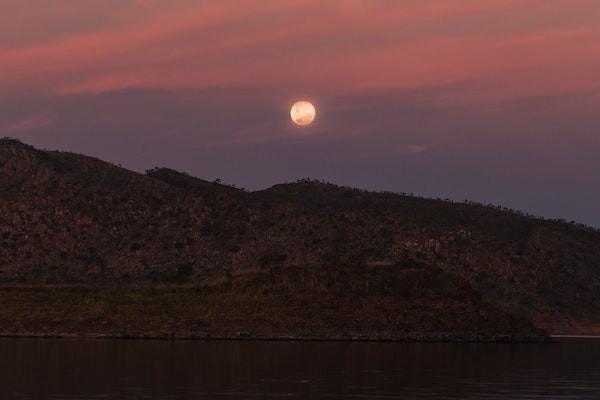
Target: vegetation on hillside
(71, 219)
(359, 303)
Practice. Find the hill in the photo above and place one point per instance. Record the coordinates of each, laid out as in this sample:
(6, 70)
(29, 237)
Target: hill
(68, 219)
(404, 303)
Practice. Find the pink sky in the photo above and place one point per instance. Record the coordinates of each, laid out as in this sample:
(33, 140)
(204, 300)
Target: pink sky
(540, 47)
(450, 98)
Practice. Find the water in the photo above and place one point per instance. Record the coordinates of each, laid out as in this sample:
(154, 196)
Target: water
(122, 369)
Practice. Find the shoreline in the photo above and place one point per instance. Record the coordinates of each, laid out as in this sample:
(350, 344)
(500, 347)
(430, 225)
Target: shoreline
(562, 336)
(247, 313)
(438, 338)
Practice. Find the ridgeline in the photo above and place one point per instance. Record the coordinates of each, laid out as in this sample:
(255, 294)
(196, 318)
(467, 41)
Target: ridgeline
(91, 249)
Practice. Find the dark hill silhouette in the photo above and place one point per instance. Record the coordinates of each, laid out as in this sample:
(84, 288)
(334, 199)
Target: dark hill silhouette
(71, 219)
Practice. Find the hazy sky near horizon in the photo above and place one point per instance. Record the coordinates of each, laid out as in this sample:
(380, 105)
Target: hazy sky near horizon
(495, 101)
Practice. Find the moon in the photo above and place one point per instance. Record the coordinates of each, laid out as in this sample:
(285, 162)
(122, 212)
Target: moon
(303, 113)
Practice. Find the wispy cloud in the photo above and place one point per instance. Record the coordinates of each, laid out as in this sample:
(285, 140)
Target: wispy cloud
(343, 46)
(30, 123)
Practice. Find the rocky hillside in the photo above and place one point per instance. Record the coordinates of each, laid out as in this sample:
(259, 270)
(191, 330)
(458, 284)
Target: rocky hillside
(72, 219)
(408, 302)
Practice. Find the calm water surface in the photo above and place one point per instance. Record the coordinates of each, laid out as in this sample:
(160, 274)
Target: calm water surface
(121, 369)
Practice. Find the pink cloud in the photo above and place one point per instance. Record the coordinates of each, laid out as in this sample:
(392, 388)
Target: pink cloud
(349, 46)
(28, 124)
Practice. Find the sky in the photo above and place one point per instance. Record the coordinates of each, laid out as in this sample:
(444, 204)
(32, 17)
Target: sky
(495, 101)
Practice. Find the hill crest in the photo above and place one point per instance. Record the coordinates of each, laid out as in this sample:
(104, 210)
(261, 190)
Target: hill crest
(71, 219)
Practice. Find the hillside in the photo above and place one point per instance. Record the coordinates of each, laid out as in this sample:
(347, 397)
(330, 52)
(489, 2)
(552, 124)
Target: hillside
(404, 303)
(68, 219)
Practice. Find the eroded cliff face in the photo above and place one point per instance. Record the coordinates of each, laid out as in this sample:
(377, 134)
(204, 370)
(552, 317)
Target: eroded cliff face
(67, 218)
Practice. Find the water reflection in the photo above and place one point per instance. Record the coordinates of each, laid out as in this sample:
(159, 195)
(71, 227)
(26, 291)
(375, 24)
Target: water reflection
(121, 369)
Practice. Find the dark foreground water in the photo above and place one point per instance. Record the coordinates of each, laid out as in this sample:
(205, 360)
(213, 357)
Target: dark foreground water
(121, 369)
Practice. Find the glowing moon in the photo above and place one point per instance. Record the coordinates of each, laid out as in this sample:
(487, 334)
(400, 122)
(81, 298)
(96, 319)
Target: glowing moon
(303, 113)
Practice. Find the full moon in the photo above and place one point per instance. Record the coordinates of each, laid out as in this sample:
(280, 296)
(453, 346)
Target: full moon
(303, 113)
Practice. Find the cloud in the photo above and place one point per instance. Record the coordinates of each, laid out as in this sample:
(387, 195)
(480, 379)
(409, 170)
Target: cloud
(350, 46)
(31, 123)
